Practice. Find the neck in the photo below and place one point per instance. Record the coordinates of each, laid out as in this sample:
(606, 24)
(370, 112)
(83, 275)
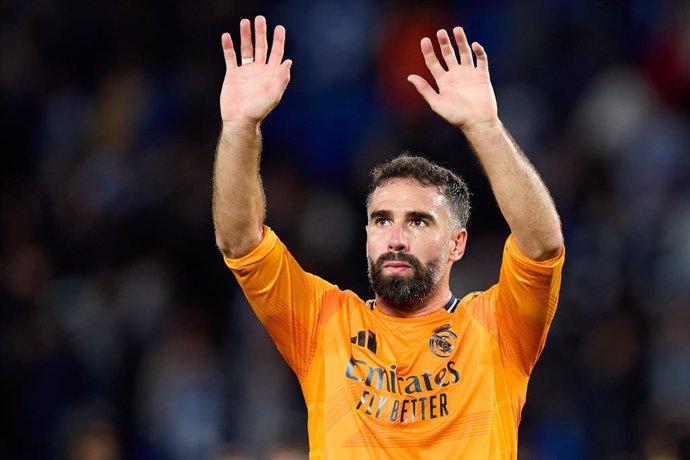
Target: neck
(431, 304)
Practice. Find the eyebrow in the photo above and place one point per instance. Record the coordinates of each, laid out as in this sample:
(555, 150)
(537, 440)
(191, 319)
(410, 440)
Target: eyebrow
(380, 214)
(410, 215)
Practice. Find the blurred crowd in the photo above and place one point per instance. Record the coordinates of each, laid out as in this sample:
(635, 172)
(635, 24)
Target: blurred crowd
(123, 335)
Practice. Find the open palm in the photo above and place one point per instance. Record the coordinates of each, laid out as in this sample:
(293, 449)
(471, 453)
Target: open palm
(465, 96)
(251, 90)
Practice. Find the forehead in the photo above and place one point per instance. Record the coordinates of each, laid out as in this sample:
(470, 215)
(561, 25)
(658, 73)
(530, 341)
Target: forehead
(406, 194)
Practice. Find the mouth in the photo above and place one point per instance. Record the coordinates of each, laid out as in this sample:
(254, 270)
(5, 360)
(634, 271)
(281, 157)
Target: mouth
(396, 267)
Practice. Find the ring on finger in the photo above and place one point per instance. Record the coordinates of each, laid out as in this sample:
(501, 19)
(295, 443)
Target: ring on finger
(248, 60)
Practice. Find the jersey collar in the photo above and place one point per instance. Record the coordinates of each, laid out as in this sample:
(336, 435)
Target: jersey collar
(449, 307)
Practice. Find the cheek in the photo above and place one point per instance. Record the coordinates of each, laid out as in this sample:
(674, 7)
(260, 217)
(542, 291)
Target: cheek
(436, 248)
(371, 246)
(377, 244)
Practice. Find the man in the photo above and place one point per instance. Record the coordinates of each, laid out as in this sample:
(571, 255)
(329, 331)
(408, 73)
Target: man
(415, 373)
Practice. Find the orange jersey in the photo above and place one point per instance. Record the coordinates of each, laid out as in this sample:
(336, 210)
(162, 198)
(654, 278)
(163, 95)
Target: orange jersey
(449, 385)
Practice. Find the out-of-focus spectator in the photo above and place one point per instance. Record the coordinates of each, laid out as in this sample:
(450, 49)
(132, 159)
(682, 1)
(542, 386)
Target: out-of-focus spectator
(230, 452)
(288, 452)
(91, 437)
(182, 405)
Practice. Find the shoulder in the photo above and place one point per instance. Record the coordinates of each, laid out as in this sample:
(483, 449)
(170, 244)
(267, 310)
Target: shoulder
(471, 296)
(344, 299)
(478, 305)
(342, 304)
(519, 261)
(476, 298)
(269, 243)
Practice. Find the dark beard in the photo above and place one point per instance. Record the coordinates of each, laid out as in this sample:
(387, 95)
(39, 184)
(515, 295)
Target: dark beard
(404, 293)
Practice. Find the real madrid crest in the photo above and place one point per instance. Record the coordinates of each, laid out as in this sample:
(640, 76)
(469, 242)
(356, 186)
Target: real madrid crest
(442, 341)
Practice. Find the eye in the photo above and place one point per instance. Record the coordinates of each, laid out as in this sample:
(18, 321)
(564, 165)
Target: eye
(381, 221)
(418, 222)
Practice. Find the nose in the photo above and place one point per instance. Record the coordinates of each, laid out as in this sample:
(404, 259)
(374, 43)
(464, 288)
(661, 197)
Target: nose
(398, 239)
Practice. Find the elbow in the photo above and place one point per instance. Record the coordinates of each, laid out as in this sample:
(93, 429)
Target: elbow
(238, 245)
(540, 247)
(550, 247)
(223, 245)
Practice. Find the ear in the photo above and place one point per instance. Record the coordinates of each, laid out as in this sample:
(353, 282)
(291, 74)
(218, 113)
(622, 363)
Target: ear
(458, 241)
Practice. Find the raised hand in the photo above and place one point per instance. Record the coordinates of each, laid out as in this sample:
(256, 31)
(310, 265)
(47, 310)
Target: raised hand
(253, 88)
(465, 97)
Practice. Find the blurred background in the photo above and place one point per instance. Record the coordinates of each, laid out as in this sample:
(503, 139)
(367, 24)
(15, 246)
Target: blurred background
(123, 335)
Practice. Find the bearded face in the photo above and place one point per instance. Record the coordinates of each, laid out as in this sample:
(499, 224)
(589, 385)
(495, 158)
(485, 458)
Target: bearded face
(404, 292)
(411, 245)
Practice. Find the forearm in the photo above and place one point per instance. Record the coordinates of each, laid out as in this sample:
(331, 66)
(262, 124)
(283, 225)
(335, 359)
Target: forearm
(238, 197)
(466, 99)
(521, 194)
(249, 92)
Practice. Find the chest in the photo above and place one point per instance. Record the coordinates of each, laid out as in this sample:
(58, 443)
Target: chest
(407, 373)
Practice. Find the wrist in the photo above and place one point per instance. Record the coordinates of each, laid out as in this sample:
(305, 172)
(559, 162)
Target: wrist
(243, 124)
(482, 128)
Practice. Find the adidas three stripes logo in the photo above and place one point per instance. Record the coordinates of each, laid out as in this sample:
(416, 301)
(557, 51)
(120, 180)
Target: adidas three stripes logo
(365, 339)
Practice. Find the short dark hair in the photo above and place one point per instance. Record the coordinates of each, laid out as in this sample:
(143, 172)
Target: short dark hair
(429, 174)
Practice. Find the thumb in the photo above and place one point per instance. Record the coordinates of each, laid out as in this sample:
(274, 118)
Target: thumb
(284, 70)
(282, 77)
(423, 87)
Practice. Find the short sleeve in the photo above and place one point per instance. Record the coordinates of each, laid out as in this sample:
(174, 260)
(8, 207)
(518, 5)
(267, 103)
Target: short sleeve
(285, 298)
(526, 298)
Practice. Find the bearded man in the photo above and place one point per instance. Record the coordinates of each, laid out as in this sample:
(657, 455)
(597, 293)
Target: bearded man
(416, 372)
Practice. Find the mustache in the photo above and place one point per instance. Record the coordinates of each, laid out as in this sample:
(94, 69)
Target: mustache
(398, 257)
